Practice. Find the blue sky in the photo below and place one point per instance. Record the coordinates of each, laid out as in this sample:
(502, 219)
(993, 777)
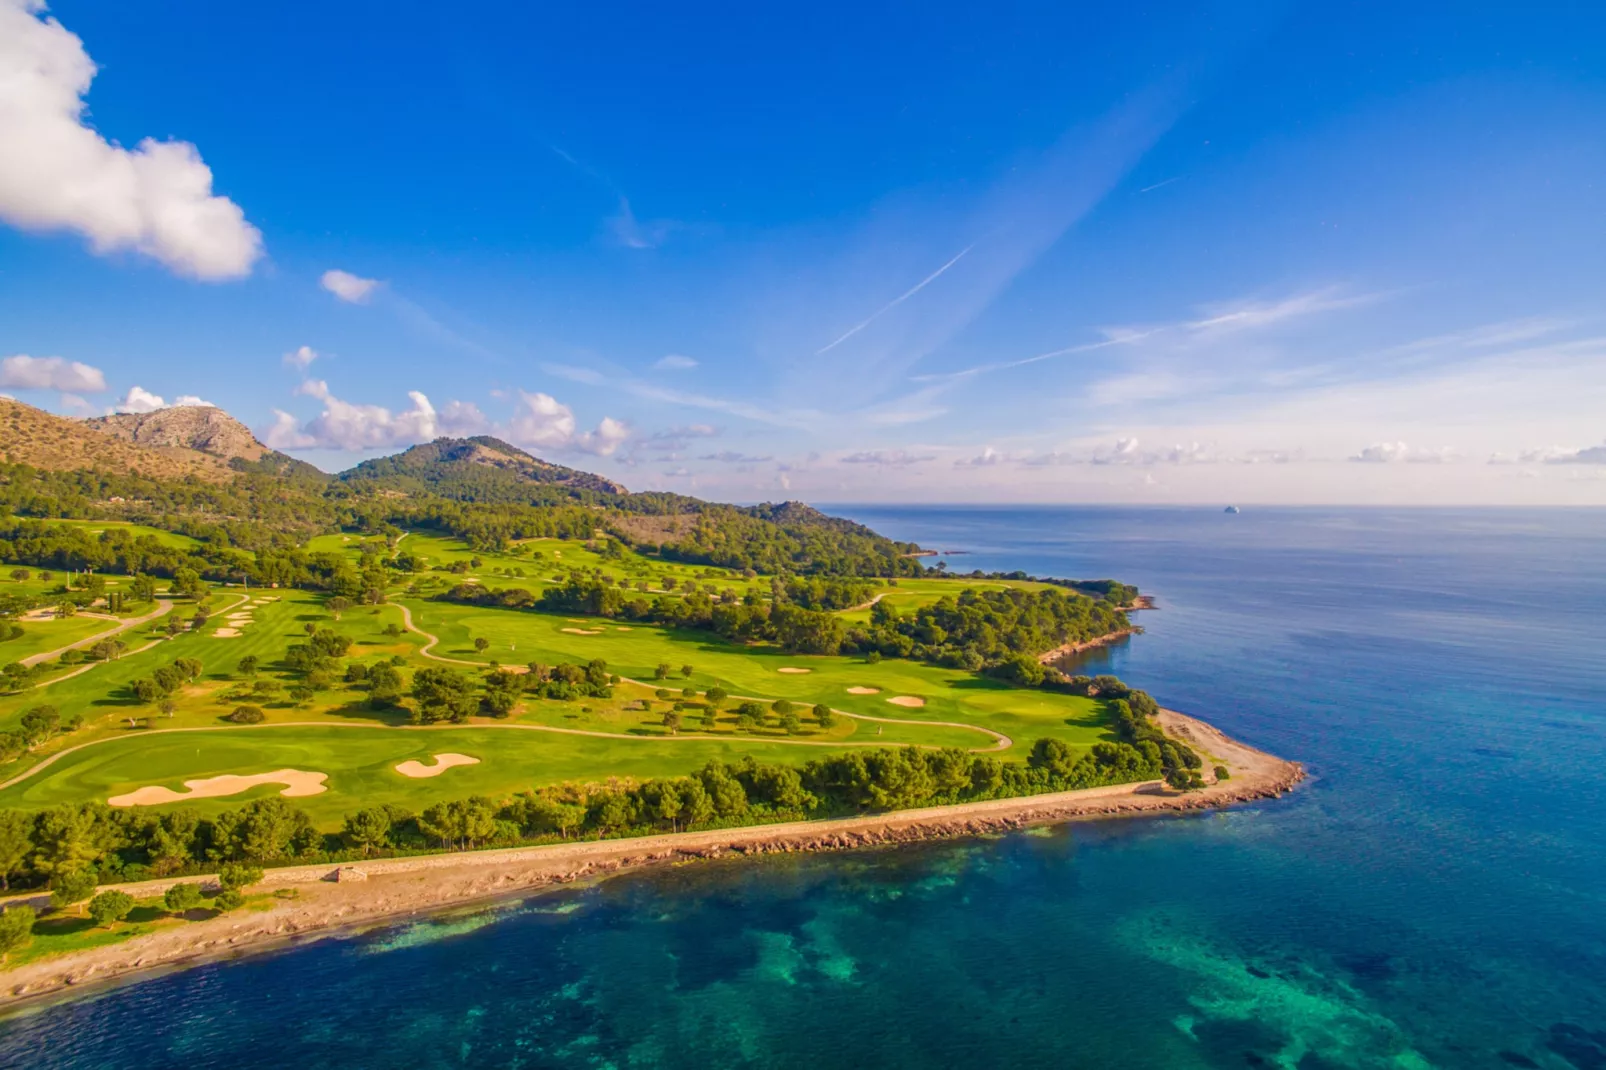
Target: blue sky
(1260, 252)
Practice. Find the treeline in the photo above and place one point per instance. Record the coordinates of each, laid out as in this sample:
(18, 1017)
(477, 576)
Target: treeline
(137, 843)
(1112, 591)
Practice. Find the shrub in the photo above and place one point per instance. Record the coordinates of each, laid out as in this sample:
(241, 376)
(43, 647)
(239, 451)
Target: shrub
(110, 906)
(226, 900)
(182, 897)
(236, 875)
(16, 929)
(247, 715)
(1222, 773)
(72, 886)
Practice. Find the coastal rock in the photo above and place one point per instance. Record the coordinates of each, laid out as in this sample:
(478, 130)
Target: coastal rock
(347, 874)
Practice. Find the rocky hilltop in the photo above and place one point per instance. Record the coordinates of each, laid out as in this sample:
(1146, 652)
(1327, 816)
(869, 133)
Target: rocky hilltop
(195, 427)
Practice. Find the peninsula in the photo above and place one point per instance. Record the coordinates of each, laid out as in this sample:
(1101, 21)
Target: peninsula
(245, 701)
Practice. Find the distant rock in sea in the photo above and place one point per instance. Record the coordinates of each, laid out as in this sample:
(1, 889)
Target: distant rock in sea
(1232, 509)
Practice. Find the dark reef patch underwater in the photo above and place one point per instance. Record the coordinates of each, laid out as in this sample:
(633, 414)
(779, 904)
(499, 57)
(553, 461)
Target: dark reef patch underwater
(1433, 897)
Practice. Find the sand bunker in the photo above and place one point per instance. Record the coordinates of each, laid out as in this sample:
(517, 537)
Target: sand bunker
(864, 691)
(906, 700)
(582, 631)
(418, 770)
(239, 618)
(226, 633)
(793, 671)
(621, 628)
(296, 782)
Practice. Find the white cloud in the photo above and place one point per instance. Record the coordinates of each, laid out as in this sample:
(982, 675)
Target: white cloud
(888, 458)
(987, 458)
(75, 405)
(138, 399)
(301, 359)
(462, 419)
(346, 426)
(1388, 452)
(542, 421)
(23, 372)
(674, 362)
(1591, 455)
(56, 173)
(733, 457)
(353, 289)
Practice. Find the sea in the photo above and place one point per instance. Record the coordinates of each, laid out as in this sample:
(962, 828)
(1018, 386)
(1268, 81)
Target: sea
(1434, 895)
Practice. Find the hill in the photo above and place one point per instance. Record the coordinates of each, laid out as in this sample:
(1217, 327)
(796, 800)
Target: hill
(196, 427)
(479, 469)
(55, 443)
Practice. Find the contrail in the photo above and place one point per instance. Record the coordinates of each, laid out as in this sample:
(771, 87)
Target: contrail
(1157, 185)
(895, 302)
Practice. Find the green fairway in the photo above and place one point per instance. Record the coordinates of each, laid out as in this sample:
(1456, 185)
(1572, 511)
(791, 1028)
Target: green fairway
(97, 527)
(39, 636)
(910, 594)
(360, 762)
(636, 651)
(328, 726)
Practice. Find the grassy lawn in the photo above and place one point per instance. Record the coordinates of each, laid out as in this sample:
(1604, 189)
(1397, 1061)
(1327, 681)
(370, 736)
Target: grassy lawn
(39, 636)
(636, 651)
(337, 733)
(910, 595)
(96, 527)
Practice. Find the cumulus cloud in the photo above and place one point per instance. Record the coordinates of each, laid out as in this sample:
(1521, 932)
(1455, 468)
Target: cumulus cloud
(1391, 452)
(987, 458)
(733, 457)
(674, 362)
(138, 399)
(353, 289)
(888, 458)
(1590, 455)
(343, 425)
(542, 421)
(23, 372)
(461, 419)
(57, 173)
(301, 359)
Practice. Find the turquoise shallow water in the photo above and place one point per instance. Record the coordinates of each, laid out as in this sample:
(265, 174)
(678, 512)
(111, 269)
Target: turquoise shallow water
(1433, 897)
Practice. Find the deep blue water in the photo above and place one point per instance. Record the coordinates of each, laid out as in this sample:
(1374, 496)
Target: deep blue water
(1434, 896)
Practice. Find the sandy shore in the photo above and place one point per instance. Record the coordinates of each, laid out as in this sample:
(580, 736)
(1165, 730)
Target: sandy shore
(366, 893)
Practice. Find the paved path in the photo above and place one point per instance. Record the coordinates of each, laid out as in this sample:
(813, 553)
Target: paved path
(163, 606)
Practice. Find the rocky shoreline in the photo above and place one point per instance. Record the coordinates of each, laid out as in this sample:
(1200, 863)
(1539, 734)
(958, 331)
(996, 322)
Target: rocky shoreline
(330, 899)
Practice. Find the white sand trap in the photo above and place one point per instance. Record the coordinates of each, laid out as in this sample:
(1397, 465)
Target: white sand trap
(906, 700)
(238, 618)
(296, 782)
(864, 691)
(582, 631)
(621, 628)
(791, 671)
(418, 770)
(226, 633)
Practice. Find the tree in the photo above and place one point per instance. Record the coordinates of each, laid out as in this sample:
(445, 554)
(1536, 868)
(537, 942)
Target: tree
(148, 690)
(1222, 773)
(686, 671)
(72, 886)
(714, 696)
(481, 643)
(749, 715)
(672, 720)
(781, 707)
(168, 707)
(16, 929)
(182, 897)
(662, 671)
(311, 627)
(247, 715)
(110, 906)
(444, 695)
(367, 829)
(338, 605)
(16, 840)
(825, 715)
(39, 724)
(19, 574)
(226, 900)
(238, 875)
(249, 664)
(790, 722)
